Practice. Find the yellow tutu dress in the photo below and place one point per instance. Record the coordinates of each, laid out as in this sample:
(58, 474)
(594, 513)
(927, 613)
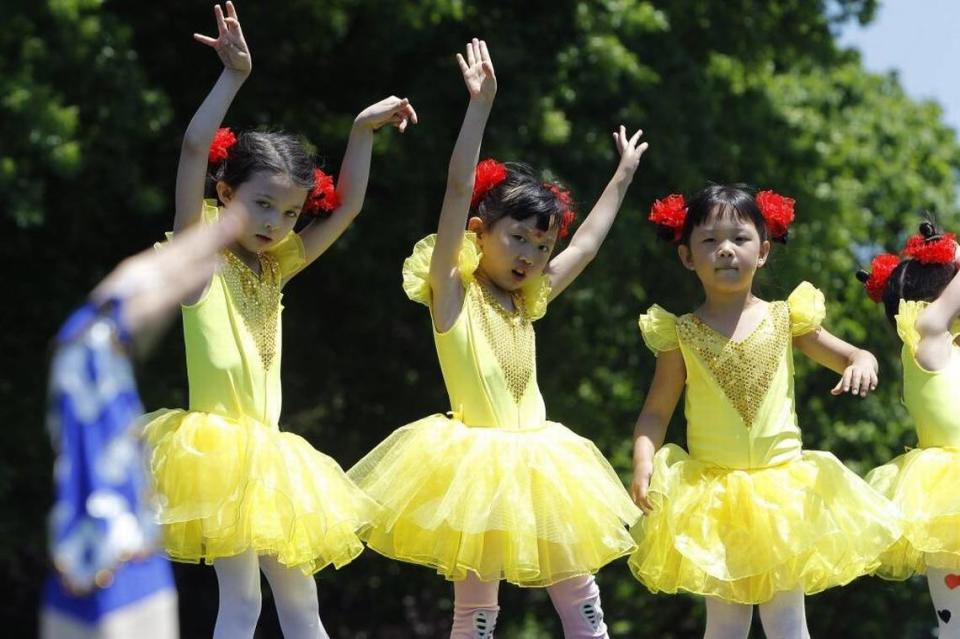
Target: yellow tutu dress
(227, 480)
(924, 482)
(747, 514)
(495, 489)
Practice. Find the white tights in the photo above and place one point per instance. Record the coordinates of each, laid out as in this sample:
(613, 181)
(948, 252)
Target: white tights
(294, 593)
(783, 617)
(577, 601)
(946, 601)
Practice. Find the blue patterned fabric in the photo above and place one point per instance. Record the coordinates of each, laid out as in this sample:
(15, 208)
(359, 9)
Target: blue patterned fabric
(102, 534)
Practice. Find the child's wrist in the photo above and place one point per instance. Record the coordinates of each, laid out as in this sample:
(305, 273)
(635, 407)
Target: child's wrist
(482, 100)
(237, 75)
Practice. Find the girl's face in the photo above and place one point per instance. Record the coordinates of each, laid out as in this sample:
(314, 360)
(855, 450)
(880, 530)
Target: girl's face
(514, 251)
(272, 203)
(725, 252)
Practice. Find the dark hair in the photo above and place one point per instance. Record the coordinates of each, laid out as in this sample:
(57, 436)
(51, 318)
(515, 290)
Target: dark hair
(520, 196)
(270, 151)
(913, 280)
(735, 199)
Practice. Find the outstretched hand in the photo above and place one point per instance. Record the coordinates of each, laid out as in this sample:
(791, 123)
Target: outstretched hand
(229, 43)
(397, 112)
(477, 70)
(629, 149)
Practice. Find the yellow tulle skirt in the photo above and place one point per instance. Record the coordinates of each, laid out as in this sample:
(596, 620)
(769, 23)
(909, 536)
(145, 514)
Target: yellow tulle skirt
(532, 507)
(925, 485)
(745, 535)
(225, 486)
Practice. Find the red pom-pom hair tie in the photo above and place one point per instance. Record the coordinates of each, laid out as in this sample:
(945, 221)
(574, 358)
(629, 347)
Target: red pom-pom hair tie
(931, 247)
(489, 174)
(876, 280)
(669, 214)
(777, 211)
(223, 140)
(323, 198)
(568, 216)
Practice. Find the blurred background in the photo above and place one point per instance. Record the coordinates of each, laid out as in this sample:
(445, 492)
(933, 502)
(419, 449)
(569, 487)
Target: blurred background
(95, 94)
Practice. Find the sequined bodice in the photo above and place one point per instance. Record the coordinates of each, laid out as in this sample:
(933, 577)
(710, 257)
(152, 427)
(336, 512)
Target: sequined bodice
(488, 358)
(739, 397)
(233, 339)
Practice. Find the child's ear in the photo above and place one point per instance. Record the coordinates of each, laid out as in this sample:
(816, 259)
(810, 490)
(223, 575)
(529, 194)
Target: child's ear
(764, 253)
(475, 224)
(224, 192)
(686, 257)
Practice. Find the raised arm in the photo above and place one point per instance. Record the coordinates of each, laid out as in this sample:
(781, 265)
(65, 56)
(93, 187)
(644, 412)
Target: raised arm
(481, 83)
(857, 367)
(936, 341)
(651, 427)
(565, 267)
(192, 170)
(320, 234)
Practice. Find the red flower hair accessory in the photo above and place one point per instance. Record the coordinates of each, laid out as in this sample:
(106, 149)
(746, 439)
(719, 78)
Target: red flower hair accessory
(489, 174)
(777, 211)
(323, 199)
(669, 214)
(876, 280)
(931, 247)
(568, 215)
(223, 139)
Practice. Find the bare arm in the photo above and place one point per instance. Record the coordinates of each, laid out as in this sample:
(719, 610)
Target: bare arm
(936, 341)
(481, 83)
(565, 267)
(665, 390)
(319, 235)
(858, 368)
(192, 169)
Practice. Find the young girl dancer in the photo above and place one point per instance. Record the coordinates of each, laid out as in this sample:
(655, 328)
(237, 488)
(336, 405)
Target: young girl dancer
(234, 490)
(495, 491)
(746, 517)
(921, 297)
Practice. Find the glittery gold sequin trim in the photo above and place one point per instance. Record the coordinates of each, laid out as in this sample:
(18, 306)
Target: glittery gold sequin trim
(257, 299)
(745, 369)
(511, 338)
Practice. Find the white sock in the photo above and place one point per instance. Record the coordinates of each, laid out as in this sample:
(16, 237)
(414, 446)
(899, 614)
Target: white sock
(239, 581)
(946, 601)
(785, 616)
(475, 608)
(727, 620)
(577, 601)
(295, 595)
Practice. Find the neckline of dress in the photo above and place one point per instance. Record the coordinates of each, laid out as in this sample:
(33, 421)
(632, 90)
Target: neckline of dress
(492, 300)
(729, 338)
(246, 267)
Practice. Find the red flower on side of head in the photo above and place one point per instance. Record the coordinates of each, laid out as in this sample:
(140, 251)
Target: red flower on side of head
(323, 198)
(777, 210)
(669, 213)
(489, 174)
(880, 269)
(568, 216)
(223, 139)
(941, 250)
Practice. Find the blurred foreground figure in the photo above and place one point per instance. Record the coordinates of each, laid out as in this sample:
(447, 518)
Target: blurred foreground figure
(108, 581)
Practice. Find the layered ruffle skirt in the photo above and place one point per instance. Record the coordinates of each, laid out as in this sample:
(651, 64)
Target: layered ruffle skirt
(533, 506)
(227, 486)
(743, 535)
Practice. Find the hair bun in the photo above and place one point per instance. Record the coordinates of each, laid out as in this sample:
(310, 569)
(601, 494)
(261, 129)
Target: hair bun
(928, 230)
